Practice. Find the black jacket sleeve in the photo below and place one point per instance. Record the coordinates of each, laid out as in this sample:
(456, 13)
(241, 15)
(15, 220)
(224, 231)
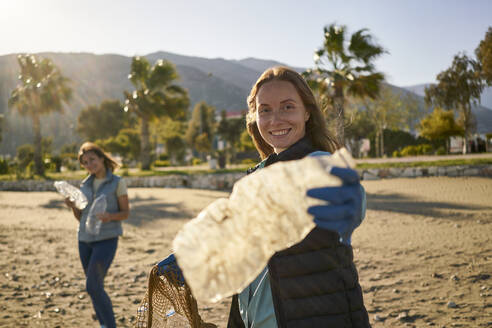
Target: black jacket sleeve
(235, 320)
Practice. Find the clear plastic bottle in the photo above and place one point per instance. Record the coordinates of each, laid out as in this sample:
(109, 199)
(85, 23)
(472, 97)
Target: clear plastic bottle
(72, 193)
(93, 224)
(230, 242)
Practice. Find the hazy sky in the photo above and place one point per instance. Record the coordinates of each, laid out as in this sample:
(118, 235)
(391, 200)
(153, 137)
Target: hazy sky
(421, 36)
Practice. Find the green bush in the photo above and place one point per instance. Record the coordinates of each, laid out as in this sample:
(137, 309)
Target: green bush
(163, 157)
(57, 162)
(248, 161)
(424, 149)
(196, 161)
(409, 151)
(162, 163)
(396, 153)
(25, 155)
(441, 151)
(4, 166)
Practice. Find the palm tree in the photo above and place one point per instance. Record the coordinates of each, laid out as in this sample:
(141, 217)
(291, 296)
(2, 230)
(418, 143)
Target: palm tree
(154, 96)
(43, 89)
(345, 68)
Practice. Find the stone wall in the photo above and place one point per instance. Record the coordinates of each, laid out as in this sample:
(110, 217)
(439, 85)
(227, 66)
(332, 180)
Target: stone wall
(430, 171)
(225, 181)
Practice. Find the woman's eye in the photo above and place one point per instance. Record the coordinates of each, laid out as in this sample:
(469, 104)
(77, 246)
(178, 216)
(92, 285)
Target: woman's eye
(289, 106)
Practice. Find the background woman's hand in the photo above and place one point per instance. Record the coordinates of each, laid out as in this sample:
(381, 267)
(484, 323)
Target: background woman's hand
(104, 217)
(69, 203)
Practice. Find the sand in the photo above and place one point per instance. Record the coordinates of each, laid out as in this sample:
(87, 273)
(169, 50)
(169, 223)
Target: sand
(424, 254)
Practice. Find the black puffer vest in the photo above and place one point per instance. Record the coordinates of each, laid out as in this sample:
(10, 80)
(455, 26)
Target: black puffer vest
(314, 283)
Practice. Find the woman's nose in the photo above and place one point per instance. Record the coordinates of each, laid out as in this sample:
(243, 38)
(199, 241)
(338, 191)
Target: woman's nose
(276, 116)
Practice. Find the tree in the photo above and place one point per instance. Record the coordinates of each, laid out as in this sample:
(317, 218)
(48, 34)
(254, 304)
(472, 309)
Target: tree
(484, 56)
(171, 133)
(201, 128)
(346, 68)
(246, 143)
(390, 110)
(103, 121)
(457, 89)
(1, 126)
(440, 125)
(42, 89)
(230, 129)
(126, 143)
(154, 96)
(25, 155)
(359, 127)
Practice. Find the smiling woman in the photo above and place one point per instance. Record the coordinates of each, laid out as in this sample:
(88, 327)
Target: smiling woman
(281, 115)
(282, 111)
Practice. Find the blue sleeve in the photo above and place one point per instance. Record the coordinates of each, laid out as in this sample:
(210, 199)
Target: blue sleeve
(364, 204)
(319, 153)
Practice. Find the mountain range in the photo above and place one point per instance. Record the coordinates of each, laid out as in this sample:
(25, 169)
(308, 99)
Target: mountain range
(219, 82)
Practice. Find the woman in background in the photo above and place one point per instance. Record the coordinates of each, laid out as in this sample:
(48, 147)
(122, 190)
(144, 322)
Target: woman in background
(97, 251)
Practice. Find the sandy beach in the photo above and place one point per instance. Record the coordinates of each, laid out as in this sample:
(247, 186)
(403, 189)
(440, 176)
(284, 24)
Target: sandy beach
(424, 254)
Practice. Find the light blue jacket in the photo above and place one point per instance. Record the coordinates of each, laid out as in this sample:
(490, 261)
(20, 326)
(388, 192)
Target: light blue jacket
(108, 187)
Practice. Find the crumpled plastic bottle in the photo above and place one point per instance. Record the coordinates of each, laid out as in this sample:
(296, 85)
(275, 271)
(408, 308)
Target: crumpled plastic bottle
(93, 224)
(72, 193)
(230, 242)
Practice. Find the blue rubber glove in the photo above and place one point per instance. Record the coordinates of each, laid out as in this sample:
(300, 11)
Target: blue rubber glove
(345, 208)
(169, 264)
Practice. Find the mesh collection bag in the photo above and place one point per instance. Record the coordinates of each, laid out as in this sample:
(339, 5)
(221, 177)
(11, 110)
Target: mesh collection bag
(168, 303)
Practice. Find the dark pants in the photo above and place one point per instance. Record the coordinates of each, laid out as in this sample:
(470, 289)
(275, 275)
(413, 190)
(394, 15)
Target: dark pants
(96, 257)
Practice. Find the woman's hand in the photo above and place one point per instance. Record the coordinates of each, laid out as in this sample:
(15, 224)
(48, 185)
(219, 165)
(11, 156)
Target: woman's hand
(69, 203)
(76, 212)
(104, 217)
(169, 265)
(345, 205)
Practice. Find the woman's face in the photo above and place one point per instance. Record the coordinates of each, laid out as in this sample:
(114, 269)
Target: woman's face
(280, 114)
(93, 164)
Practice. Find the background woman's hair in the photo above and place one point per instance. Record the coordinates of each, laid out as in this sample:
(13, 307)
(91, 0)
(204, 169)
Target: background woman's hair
(109, 162)
(316, 127)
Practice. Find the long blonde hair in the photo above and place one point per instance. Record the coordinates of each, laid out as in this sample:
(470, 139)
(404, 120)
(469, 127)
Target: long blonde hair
(316, 128)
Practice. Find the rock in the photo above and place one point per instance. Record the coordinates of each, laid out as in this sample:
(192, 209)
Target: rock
(454, 278)
(402, 316)
(452, 305)
(378, 318)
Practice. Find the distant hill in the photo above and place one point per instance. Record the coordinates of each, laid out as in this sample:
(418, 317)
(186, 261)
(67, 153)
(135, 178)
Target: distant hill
(261, 65)
(222, 83)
